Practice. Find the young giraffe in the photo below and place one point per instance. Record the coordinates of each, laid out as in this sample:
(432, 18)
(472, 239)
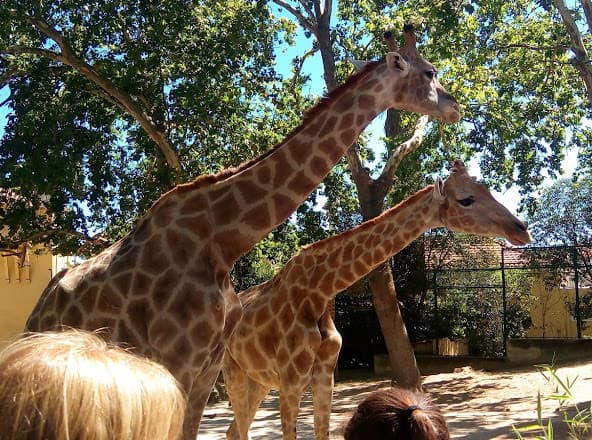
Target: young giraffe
(165, 288)
(286, 338)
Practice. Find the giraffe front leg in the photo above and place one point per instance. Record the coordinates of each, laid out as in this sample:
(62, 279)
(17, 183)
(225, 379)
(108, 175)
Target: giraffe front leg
(289, 408)
(322, 376)
(196, 401)
(236, 381)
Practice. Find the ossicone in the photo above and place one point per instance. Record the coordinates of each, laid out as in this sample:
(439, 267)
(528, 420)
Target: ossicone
(458, 167)
(390, 41)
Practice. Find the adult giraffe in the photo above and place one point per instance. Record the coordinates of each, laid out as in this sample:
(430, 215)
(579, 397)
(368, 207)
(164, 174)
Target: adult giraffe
(165, 289)
(286, 338)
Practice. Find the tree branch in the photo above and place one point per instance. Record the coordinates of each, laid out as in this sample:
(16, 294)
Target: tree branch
(587, 6)
(328, 8)
(533, 47)
(25, 50)
(3, 103)
(360, 175)
(9, 74)
(300, 64)
(581, 60)
(309, 11)
(407, 147)
(126, 101)
(317, 9)
(97, 240)
(304, 22)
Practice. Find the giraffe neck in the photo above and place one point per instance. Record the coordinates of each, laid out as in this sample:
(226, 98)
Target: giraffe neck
(327, 267)
(246, 206)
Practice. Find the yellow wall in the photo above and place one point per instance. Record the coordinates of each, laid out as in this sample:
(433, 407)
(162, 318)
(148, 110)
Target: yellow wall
(20, 288)
(550, 315)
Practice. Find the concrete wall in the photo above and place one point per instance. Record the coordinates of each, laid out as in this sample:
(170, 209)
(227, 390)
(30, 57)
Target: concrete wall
(529, 351)
(20, 288)
(522, 352)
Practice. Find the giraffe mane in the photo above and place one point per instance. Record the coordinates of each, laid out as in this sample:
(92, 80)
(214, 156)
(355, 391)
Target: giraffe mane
(322, 104)
(410, 200)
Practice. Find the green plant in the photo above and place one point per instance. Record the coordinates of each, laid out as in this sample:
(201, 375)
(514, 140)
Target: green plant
(579, 424)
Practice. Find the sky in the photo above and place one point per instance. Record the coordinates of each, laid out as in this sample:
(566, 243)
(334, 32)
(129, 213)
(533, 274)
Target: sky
(4, 92)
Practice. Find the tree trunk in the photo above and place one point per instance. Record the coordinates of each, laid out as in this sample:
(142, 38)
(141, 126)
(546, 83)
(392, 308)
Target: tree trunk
(404, 369)
(405, 372)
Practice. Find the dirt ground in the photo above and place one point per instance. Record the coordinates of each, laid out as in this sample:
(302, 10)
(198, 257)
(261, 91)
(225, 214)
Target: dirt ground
(478, 405)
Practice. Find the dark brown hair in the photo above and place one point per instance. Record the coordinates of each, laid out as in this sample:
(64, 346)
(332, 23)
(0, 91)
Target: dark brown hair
(396, 414)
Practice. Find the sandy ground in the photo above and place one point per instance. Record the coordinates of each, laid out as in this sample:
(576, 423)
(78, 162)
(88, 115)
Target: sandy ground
(478, 405)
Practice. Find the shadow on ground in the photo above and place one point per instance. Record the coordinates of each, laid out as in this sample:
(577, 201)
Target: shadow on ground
(478, 405)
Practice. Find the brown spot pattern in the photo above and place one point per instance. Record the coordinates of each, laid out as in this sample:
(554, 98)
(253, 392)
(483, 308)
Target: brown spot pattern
(202, 331)
(258, 217)
(284, 206)
(251, 192)
(153, 259)
(345, 103)
(303, 361)
(109, 301)
(319, 167)
(224, 211)
(123, 282)
(141, 284)
(264, 175)
(165, 212)
(282, 169)
(347, 121)
(366, 101)
(330, 148)
(329, 125)
(348, 136)
(193, 204)
(301, 184)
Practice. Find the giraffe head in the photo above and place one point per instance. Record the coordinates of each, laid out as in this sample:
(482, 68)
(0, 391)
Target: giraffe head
(468, 206)
(417, 89)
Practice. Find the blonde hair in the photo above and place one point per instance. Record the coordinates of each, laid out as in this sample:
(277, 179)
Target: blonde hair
(72, 385)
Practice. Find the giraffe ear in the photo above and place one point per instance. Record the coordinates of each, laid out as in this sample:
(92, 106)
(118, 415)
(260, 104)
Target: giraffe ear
(395, 60)
(439, 194)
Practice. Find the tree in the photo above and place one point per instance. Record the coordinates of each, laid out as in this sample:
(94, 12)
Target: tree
(562, 217)
(562, 213)
(508, 64)
(113, 102)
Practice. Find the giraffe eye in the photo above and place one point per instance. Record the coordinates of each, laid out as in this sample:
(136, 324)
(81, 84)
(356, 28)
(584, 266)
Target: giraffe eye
(431, 74)
(466, 202)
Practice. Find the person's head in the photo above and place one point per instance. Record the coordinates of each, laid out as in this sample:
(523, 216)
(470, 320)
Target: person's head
(72, 385)
(396, 414)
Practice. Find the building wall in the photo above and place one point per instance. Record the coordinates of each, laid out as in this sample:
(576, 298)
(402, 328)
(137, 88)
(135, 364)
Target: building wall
(550, 313)
(20, 288)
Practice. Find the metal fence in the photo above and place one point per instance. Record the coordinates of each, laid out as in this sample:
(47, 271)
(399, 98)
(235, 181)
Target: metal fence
(498, 289)
(479, 296)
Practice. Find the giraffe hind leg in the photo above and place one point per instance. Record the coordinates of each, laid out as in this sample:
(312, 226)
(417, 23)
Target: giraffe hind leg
(322, 376)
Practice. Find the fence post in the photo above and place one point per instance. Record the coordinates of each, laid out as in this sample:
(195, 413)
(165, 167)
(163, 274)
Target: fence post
(504, 303)
(435, 290)
(574, 256)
